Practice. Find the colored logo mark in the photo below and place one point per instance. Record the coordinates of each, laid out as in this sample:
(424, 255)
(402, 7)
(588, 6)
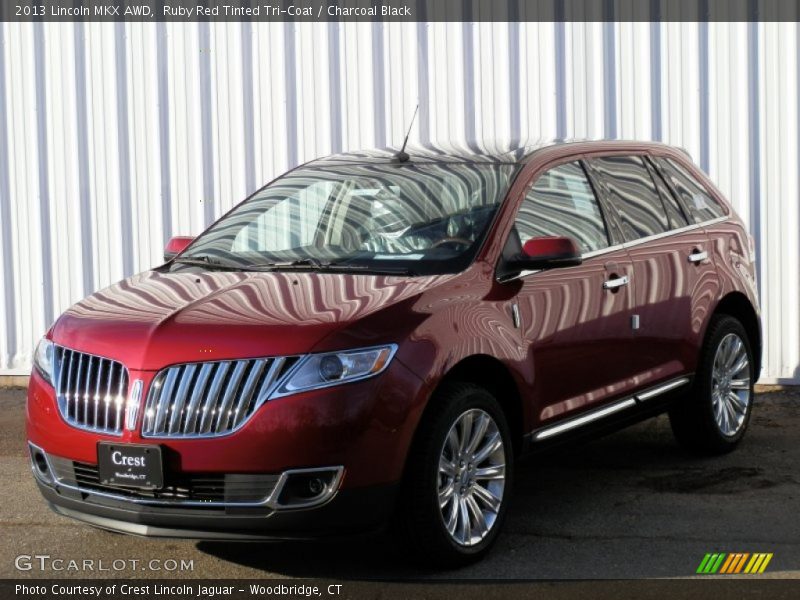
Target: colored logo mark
(733, 563)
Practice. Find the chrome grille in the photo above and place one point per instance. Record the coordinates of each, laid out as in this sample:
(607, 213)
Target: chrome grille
(209, 399)
(90, 391)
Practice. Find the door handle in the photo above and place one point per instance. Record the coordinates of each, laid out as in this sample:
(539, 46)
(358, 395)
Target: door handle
(617, 282)
(698, 256)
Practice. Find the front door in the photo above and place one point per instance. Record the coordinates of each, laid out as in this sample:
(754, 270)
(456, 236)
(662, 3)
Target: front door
(574, 320)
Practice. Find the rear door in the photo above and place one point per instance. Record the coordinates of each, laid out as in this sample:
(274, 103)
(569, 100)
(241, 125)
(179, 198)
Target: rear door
(575, 320)
(702, 212)
(672, 275)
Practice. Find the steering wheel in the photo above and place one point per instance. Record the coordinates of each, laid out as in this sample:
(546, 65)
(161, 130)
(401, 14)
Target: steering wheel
(451, 240)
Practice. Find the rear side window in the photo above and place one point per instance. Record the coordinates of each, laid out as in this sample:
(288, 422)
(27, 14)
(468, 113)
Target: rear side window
(677, 218)
(633, 193)
(562, 203)
(701, 206)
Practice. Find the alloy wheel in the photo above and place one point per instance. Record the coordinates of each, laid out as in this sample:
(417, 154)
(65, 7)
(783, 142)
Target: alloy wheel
(472, 477)
(731, 384)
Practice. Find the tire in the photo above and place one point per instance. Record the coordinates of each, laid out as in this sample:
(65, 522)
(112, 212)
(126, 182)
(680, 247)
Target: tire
(709, 420)
(422, 522)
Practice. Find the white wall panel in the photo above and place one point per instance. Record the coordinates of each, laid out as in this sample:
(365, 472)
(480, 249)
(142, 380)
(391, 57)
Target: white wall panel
(585, 100)
(780, 221)
(634, 105)
(537, 78)
(113, 137)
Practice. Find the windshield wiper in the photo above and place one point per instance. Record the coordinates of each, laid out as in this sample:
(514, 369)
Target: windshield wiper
(207, 262)
(372, 269)
(316, 264)
(313, 263)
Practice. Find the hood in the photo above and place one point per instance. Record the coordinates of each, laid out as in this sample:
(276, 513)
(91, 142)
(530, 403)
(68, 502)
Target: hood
(154, 319)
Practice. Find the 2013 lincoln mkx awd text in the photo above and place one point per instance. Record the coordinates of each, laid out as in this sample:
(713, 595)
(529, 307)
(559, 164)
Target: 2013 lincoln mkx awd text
(375, 337)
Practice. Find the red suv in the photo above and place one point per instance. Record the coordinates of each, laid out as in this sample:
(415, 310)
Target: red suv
(378, 335)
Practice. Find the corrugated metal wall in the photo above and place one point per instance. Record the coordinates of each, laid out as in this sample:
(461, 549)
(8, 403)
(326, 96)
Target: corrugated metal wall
(113, 137)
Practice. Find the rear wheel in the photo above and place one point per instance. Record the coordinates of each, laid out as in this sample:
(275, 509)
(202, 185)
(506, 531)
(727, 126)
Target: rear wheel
(714, 418)
(458, 478)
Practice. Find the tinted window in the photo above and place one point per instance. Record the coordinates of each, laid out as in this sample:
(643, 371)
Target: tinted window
(631, 189)
(674, 211)
(700, 204)
(562, 203)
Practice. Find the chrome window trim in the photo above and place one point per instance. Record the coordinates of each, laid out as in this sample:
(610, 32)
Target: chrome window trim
(601, 251)
(683, 229)
(626, 245)
(270, 501)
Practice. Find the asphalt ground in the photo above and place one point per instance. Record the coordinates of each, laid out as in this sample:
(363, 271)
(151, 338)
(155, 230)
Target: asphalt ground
(630, 505)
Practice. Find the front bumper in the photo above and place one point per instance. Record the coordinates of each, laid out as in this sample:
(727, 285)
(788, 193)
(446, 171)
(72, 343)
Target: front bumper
(363, 428)
(349, 512)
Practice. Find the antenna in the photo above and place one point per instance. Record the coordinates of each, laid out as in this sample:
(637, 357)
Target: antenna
(402, 156)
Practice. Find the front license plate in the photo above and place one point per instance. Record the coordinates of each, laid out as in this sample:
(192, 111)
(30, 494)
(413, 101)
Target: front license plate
(131, 465)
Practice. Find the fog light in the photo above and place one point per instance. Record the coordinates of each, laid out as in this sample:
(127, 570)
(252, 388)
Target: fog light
(39, 464)
(315, 486)
(308, 487)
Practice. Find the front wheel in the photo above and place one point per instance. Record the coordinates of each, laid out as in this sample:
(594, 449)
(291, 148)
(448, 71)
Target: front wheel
(714, 418)
(458, 478)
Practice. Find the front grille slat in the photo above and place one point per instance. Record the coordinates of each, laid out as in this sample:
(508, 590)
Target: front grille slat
(178, 406)
(197, 393)
(59, 367)
(166, 399)
(87, 385)
(278, 367)
(107, 397)
(77, 393)
(243, 404)
(210, 399)
(224, 409)
(73, 390)
(210, 404)
(122, 374)
(79, 384)
(98, 378)
(66, 357)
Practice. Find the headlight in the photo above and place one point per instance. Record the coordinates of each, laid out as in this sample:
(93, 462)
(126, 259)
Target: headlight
(43, 359)
(324, 370)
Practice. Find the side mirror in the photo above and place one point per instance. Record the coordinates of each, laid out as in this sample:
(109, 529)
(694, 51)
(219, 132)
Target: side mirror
(175, 246)
(547, 253)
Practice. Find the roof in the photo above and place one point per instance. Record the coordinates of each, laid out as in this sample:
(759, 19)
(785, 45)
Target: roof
(481, 152)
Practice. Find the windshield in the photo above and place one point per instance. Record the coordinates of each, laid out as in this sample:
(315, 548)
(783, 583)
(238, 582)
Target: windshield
(424, 218)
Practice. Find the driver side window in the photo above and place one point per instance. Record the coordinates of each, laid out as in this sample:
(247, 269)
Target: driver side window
(562, 203)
